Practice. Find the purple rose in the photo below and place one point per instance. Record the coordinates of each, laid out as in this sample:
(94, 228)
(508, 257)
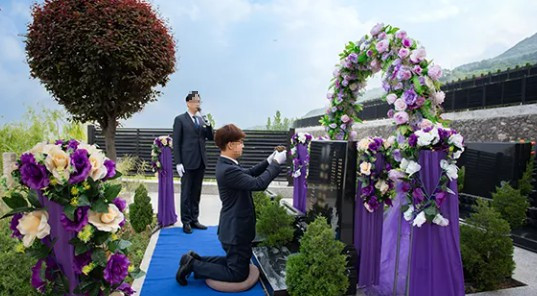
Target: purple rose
(404, 74)
(81, 220)
(397, 155)
(405, 186)
(126, 289)
(353, 58)
(37, 282)
(373, 203)
(412, 140)
(388, 201)
(13, 226)
(417, 69)
(368, 190)
(418, 55)
(120, 203)
(419, 102)
(444, 134)
(439, 198)
(80, 261)
(406, 42)
(110, 169)
(382, 46)
(400, 117)
(116, 269)
(374, 146)
(390, 113)
(33, 174)
(81, 165)
(58, 142)
(418, 195)
(400, 34)
(369, 53)
(73, 144)
(410, 97)
(403, 53)
(377, 29)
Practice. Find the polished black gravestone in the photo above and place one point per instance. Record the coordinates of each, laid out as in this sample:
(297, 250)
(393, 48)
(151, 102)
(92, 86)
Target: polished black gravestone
(332, 185)
(331, 192)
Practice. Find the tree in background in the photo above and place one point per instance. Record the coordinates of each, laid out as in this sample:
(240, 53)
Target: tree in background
(100, 59)
(35, 127)
(279, 123)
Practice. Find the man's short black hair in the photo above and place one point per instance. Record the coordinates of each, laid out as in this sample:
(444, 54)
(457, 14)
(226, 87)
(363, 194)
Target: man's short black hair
(191, 95)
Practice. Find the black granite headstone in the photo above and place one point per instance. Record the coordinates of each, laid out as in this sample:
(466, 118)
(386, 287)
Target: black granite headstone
(332, 185)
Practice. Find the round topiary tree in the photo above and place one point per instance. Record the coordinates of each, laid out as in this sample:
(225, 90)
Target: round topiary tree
(319, 268)
(100, 59)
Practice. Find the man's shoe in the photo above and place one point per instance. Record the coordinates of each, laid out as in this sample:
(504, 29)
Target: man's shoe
(187, 228)
(185, 268)
(194, 255)
(198, 225)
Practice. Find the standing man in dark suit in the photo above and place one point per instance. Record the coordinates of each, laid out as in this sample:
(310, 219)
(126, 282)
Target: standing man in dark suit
(189, 134)
(236, 229)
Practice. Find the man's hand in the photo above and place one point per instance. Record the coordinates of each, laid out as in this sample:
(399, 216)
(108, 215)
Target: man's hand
(180, 169)
(271, 157)
(281, 157)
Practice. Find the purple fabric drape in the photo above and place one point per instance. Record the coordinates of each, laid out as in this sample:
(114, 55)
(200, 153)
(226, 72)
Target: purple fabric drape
(395, 249)
(368, 236)
(64, 252)
(299, 184)
(436, 265)
(166, 206)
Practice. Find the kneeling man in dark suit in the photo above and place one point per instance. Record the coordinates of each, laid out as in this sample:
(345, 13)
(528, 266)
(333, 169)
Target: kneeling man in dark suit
(236, 229)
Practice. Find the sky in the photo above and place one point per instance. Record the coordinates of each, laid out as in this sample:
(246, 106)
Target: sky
(250, 58)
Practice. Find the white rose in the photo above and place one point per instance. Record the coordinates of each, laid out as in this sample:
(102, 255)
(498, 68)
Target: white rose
(98, 170)
(163, 141)
(32, 225)
(404, 163)
(391, 98)
(92, 149)
(457, 154)
(420, 219)
(456, 139)
(302, 138)
(408, 213)
(117, 293)
(363, 145)
(297, 174)
(400, 105)
(40, 148)
(425, 139)
(109, 221)
(365, 168)
(293, 150)
(382, 186)
(412, 168)
(58, 163)
(439, 97)
(451, 169)
(440, 220)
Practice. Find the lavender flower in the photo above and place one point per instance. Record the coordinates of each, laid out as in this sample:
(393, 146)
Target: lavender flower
(368, 190)
(111, 169)
(81, 219)
(412, 140)
(37, 282)
(116, 269)
(81, 165)
(80, 261)
(13, 226)
(33, 175)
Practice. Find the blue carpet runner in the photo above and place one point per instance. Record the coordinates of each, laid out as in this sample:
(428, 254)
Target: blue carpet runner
(171, 245)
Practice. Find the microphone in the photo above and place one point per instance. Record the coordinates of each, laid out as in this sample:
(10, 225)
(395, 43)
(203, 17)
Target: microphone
(203, 116)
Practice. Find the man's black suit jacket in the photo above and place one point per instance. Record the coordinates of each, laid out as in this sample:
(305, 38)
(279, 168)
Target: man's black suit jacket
(189, 141)
(235, 185)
